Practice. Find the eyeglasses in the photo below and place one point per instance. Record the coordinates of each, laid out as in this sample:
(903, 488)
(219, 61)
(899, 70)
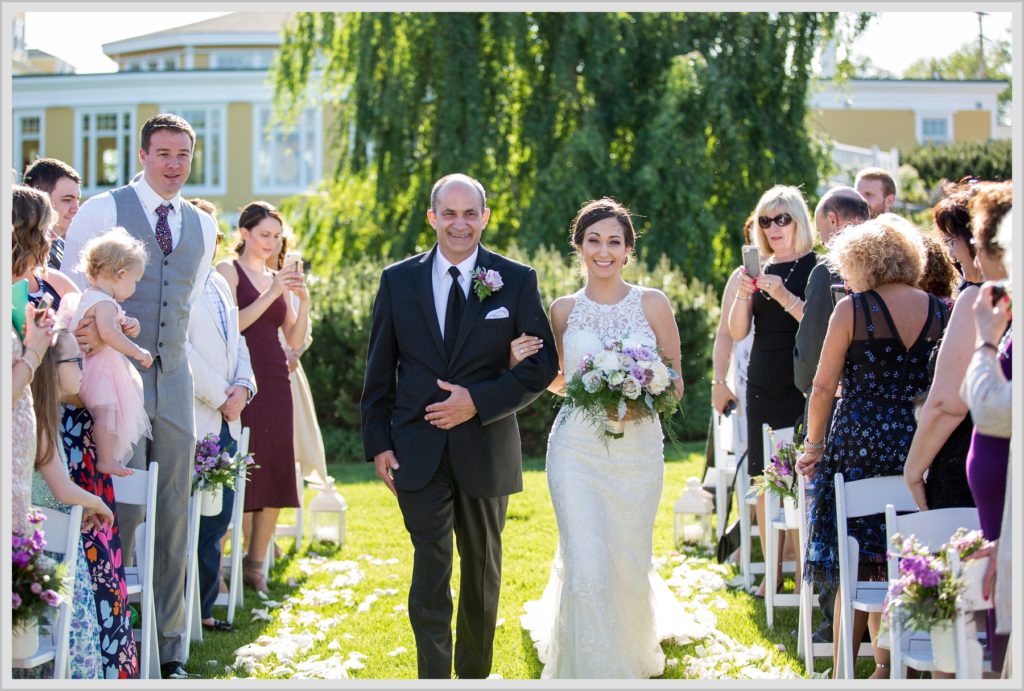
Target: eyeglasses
(77, 360)
(782, 220)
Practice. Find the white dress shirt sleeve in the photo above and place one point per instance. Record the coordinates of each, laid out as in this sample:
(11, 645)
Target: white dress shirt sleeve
(95, 217)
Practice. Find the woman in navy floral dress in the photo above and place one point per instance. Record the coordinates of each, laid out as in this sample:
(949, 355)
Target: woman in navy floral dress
(883, 362)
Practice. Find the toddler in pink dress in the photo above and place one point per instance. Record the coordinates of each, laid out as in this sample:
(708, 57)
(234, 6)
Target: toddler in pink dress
(111, 386)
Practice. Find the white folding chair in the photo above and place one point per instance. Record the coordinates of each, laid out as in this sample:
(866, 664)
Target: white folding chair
(854, 499)
(725, 437)
(233, 598)
(63, 533)
(970, 662)
(931, 529)
(139, 489)
(775, 520)
(193, 614)
(748, 530)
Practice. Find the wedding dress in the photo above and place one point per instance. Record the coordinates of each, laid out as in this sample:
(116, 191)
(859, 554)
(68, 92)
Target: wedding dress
(605, 608)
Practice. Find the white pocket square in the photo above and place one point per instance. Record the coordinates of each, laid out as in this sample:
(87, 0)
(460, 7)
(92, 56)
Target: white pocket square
(499, 313)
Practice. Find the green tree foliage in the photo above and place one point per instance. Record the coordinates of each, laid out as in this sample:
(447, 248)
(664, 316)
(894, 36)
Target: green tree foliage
(686, 118)
(982, 160)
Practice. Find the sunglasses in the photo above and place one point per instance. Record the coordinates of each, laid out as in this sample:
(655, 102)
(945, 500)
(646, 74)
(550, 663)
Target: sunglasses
(77, 360)
(782, 220)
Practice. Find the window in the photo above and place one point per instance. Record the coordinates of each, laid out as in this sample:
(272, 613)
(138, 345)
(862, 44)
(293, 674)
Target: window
(104, 151)
(28, 139)
(934, 130)
(286, 162)
(240, 59)
(209, 159)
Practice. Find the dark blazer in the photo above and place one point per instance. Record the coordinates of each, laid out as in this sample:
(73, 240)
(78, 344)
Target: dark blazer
(810, 335)
(406, 357)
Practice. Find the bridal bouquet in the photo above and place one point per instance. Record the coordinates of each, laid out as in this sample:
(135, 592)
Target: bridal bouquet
(36, 580)
(215, 467)
(779, 476)
(926, 589)
(625, 377)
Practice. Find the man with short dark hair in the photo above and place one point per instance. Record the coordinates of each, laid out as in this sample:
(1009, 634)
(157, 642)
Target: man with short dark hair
(180, 239)
(878, 189)
(838, 208)
(64, 185)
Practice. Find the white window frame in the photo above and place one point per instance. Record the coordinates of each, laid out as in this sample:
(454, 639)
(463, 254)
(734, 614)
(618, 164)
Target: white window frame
(258, 142)
(253, 56)
(919, 126)
(87, 167)
(20, 115)
(221, 188)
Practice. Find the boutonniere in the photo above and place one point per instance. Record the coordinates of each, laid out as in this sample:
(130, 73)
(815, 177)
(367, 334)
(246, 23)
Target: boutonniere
(486, 282)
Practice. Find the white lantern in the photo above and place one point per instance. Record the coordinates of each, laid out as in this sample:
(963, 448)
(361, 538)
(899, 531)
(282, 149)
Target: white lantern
(327, 514)
(692, 513)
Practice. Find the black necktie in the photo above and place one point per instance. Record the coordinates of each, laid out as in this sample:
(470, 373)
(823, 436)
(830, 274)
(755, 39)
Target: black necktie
(453, 314)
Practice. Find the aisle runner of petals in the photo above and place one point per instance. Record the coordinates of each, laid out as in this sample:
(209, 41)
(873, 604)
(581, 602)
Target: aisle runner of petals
(697, 582)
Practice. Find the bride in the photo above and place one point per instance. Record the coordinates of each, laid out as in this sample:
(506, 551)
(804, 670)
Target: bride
(605, 608)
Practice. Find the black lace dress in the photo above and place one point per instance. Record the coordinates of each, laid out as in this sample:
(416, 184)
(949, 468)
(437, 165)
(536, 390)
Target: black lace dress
(871, 431)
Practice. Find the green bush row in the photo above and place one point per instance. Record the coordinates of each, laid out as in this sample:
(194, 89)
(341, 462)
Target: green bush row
(341, 309)
(983, 160)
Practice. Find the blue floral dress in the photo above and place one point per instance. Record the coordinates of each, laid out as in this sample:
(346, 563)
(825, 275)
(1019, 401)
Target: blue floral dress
(871, 430)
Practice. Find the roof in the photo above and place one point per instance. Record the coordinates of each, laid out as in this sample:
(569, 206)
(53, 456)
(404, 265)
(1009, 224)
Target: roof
(234, 22)
(236, 28)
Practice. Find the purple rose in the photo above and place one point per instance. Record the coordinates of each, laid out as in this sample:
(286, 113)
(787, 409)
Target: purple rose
(644, 353)
(638, 373)
(20, 559)
(15, 601)
(51, 598)
(36, 588)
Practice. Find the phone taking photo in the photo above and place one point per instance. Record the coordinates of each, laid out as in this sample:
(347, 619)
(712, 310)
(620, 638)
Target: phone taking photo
(45, 303)
(752, 260)
(838, 292)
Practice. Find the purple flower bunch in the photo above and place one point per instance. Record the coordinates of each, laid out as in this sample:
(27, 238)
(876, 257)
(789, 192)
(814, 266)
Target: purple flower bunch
(213, 466)
(926, 590)
(36, 580)
(779, 475)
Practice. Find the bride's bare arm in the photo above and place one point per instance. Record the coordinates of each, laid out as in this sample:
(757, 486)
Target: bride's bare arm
(658, 311)
(560, 310)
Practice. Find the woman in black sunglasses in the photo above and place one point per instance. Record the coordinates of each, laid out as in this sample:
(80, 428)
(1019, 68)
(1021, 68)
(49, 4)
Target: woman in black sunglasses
(771, 303)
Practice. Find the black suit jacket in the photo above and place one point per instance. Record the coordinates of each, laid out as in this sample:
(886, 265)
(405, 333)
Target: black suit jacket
(810, 335)
(406, 357)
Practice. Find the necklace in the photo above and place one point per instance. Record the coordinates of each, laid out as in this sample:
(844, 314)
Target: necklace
(786, 278)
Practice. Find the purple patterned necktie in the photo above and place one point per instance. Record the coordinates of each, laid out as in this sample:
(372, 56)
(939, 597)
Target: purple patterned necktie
(163, 229)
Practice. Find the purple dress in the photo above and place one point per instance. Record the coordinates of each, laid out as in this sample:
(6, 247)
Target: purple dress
(986, 474)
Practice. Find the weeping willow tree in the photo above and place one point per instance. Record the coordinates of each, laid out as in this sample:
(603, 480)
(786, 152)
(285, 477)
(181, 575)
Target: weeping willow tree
(684, 117)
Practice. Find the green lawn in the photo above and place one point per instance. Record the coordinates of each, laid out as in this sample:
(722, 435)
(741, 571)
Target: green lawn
(377, 560)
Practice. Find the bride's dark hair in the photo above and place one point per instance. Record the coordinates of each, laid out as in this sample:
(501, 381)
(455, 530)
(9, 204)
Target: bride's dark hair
(598, 210)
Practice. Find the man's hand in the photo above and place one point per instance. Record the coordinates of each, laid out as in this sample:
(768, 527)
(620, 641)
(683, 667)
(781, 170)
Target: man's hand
(130, 327)
(452, 411)
(385, 462)
(88, 336)
(238, 395)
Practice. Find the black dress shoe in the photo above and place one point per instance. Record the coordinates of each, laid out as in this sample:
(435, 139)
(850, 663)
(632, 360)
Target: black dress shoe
(174, 670)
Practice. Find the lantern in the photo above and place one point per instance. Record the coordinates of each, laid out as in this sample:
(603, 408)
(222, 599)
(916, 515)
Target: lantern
(327, 514)
(693, 515)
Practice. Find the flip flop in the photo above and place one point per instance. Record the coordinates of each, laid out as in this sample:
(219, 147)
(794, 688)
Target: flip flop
(219, 625)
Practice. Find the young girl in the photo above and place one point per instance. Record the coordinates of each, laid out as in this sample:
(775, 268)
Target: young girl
(111, 387)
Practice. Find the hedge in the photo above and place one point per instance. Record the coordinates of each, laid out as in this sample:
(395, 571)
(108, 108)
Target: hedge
(983, 160)
(341, 309)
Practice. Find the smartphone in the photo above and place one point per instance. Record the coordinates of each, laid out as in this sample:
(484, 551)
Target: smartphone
(45, 303)
(19, 300)
(752, 260)
(730, 406)
(998, 291)
(838, 292)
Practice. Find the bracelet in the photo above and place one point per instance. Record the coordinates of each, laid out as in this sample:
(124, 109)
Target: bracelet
(30, 349)
(793, 304)
(743, 299)
(814, 446)
(716, 382)
(31, 369)
(986, 344)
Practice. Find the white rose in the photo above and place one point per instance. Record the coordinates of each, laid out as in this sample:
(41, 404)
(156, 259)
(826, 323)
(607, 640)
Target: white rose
(607, 360)
(631, 388)
(592, 381)
(616, 377)
(660, 378)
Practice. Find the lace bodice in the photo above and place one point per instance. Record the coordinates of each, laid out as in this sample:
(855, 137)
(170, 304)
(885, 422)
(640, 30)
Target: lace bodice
(593, 324)
(23, 446)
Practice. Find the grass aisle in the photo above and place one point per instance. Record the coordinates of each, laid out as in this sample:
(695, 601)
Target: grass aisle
(334, 612)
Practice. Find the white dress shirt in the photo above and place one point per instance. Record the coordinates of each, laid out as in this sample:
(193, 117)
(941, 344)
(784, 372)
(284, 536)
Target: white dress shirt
(99, 214)
(442, 281)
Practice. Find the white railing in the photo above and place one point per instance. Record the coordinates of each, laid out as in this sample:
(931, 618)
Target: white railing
(849, 159)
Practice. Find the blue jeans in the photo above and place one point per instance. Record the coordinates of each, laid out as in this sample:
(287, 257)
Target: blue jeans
(211, 530)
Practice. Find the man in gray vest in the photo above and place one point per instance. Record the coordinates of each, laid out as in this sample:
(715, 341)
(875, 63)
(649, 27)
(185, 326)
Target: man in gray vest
(181, 241)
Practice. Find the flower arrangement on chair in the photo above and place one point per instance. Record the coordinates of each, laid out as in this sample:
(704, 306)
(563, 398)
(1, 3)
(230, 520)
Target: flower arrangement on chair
(36, 580)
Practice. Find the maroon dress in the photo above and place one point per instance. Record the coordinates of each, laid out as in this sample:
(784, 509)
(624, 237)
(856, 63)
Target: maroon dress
(269, 415)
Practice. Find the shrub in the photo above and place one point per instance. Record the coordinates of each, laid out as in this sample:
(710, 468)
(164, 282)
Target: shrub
(341, 310)
(983, 160)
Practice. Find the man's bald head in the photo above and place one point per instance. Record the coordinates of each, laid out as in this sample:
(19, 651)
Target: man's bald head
(839, 207)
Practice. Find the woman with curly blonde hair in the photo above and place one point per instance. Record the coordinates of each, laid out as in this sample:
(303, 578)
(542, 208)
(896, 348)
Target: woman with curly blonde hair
(878, 342)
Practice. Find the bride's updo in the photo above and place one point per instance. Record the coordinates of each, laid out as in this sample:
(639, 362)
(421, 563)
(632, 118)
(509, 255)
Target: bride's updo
(598, 210)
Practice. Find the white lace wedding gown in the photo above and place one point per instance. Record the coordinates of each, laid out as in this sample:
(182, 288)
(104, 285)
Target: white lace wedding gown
(605, 608)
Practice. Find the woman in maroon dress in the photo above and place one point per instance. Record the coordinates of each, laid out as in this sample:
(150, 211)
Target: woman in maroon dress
(262, 310)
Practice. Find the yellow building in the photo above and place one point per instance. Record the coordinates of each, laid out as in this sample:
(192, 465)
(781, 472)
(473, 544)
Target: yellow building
(212, 73)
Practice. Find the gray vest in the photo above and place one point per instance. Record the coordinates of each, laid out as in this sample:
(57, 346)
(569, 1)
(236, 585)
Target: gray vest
(161, 299)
